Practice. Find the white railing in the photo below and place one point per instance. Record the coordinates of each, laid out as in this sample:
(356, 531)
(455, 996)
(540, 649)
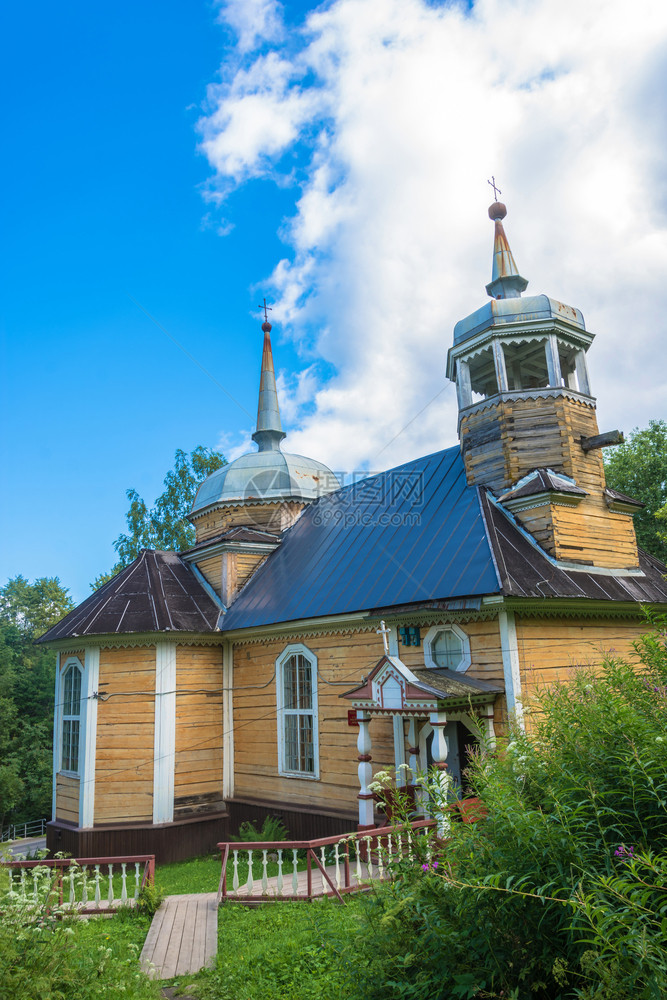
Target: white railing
(87, 885)
(20, 831)
(328, 866)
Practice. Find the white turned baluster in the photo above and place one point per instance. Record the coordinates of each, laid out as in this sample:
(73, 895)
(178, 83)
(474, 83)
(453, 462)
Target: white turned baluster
(295, 879)
(409, 840)
(265, 880)
(137, 881)
(279, 880)
(22, 890)
(380, 849)
(399, 846)
(364, 770)
(235, 876)
(390, 853)
(369, 860)
(250, 882)
(110, 892)
(357, 847)
(323, 859)
(439, 751)
(34, 885)
(337, 860)
(123, 882)
(72, 894)
(84, 887)
(97, 884)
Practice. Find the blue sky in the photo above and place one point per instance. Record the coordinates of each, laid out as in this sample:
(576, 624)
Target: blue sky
(343, 174)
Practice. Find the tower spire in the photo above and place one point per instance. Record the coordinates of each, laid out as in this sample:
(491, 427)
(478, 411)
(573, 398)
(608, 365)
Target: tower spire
(269, 431)
(506, 282)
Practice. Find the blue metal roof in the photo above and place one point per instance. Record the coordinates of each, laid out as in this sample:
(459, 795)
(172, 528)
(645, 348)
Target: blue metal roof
(411, 534)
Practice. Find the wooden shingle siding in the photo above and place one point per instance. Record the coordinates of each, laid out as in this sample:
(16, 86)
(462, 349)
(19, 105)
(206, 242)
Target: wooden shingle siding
(67, 798)
(125, 736)
(198, 763)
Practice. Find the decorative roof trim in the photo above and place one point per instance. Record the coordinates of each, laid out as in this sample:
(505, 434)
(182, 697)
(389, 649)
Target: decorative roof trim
(132, 640)
(573, 607)
(547, 392)
(542, 499)
(260, 548)
(269, 502)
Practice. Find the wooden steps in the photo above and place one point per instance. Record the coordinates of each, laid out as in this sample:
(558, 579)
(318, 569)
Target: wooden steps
(183, 937)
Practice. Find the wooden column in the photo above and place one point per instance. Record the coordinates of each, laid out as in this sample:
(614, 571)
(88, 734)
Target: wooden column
(165, 732)
(88, 736)
(553, 360)
(511, 666)
(365, 771)
(413, 761)
(439, 751)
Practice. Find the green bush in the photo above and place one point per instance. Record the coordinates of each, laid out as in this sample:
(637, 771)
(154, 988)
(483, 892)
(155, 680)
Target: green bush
(272, 829)
(562, 890)
(47, 953)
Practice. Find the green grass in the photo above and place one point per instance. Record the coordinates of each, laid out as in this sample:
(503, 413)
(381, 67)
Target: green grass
(282, 951)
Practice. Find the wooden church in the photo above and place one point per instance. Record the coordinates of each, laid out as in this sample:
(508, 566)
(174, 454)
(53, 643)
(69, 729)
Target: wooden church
(317, 633)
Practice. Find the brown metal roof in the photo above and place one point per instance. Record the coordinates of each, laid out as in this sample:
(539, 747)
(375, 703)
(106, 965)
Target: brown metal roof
(158, 592)
(238, 533)
(526, 571)
(542, 481)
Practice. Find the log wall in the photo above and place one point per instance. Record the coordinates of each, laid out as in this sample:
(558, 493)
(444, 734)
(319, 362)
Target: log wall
(198, 765)
(67, 798)
(125, 736)
(270, 517)
(551, 650)
(342, 661)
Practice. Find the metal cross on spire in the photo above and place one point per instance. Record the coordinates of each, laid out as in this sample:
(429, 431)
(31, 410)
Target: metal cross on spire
(496, 189)
(267, 310)
(384, 632)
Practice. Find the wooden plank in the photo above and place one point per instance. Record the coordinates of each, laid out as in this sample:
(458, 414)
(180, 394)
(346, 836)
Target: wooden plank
(161, 942)
(184, 961)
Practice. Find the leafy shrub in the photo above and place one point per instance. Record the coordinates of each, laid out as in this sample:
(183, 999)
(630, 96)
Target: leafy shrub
(45, 952)
(272, 829)
(561, 891)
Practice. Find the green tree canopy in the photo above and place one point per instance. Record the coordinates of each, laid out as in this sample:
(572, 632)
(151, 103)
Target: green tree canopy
(165, 525)
(639, 468)
(27, 676)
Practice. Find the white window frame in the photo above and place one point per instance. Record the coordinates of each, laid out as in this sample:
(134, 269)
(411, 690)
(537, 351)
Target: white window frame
(296, 649)
(429, 641)
(72, 663)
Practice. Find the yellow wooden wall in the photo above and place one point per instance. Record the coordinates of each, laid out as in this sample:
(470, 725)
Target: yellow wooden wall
(198, 766)
(344, 660)
(551, 650)
(212, 570)
(125, 736)
(67, 798)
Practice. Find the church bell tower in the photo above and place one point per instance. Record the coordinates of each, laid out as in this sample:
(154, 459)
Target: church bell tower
(527, 421)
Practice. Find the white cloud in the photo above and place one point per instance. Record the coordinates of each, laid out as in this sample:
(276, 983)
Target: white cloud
(254, 21)
(403, 110)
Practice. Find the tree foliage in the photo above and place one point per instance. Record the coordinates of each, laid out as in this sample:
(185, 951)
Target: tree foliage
(27, 676)
(165, 525)
(639, 468)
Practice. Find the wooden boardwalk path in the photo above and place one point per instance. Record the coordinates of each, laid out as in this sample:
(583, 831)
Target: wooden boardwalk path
(183, 937)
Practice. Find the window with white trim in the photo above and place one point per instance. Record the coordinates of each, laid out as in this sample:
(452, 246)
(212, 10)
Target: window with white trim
(296, 679)
(448, 647)
(71, 724)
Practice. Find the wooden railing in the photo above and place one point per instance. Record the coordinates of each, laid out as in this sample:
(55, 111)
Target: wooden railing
(328, 866)
(84, 885)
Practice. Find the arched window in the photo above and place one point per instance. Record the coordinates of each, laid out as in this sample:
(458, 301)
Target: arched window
(296, 679)
(447, 646)
(71, 688)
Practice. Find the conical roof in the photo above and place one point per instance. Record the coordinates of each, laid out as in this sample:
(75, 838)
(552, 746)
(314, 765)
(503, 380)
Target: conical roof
(269, 474)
